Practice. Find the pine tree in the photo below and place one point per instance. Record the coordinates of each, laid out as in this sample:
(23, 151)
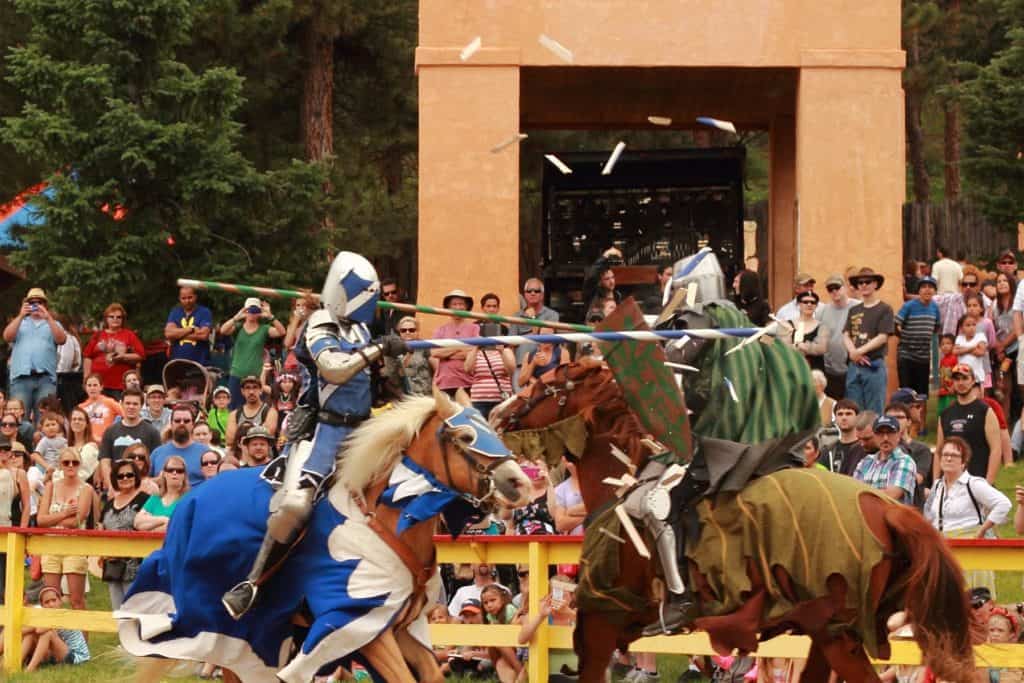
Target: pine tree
(144, 153)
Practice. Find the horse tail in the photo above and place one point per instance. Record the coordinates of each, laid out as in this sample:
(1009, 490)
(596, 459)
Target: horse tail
(934, 596)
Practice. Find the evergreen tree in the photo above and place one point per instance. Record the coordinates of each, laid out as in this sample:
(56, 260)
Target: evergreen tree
(144, 155)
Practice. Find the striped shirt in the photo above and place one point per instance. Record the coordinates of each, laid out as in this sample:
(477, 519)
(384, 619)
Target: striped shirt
(918, 323)
(78, 649)
(484, 388)
(896, 470)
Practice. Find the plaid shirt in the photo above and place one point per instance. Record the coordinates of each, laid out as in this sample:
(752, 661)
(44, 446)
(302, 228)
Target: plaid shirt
(896, 470)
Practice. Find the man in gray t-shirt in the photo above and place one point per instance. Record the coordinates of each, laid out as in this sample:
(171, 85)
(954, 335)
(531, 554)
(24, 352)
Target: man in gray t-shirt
(833, 316)
(533, 296)
(867, 331)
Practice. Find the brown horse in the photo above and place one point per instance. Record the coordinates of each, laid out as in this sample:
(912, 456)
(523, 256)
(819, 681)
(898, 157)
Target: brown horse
(841, 611)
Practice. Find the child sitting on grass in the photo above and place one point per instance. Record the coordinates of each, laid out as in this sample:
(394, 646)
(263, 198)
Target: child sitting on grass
(45, 646)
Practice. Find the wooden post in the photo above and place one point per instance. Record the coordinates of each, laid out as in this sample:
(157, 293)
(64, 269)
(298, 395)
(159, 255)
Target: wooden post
(537, 667)
(14, 590)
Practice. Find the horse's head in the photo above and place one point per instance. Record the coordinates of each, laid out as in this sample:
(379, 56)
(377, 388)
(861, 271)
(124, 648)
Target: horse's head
(474, 459)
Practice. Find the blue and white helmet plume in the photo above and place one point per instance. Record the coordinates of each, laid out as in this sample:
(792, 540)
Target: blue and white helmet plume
(351, 288)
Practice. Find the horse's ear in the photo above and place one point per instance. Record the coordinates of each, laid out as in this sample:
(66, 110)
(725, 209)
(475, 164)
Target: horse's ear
(444, 406)
(462, 398)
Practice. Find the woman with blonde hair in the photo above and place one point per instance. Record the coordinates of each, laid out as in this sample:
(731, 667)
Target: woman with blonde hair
(68, 503)
(157, 511)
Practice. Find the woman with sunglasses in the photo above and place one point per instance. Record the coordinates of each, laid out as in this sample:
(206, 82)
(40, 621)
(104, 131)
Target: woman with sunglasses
(209, 463)
(138, 454)
(69, 503)
(119, 515)
(809, 336)
(112, 351)
(157, 511)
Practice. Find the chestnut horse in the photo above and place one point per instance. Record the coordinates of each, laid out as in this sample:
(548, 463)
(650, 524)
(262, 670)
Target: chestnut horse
(914, 570)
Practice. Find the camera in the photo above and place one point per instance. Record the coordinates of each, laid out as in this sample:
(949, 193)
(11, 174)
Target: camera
(254, 309)
(491, 330)
(33, 307)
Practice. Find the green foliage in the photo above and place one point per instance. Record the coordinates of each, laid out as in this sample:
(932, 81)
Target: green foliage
(994, 101)
(121, 122)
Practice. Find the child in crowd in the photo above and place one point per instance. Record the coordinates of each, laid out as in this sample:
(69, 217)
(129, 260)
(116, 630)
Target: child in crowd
(497, 603)
(438, 614)
(947, 361)
(218, 415)
(971, 348)
(470, 660)
(44, 646)
(1002, 629)
(558, 608)
(53, 440)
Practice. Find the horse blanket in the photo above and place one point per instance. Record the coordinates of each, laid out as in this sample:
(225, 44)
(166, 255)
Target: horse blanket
(353, 584)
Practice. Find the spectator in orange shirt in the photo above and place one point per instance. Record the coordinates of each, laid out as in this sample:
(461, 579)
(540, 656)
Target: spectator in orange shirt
(102, 410)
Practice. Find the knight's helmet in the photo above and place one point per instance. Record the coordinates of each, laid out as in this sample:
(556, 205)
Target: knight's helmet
(351, 288)
(704, 269)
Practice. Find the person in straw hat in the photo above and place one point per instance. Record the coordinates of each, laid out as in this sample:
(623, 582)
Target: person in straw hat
(450, 372)
(34, 336)
(866, 337)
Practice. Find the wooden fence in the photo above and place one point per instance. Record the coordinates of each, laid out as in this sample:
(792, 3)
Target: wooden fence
(960, 227)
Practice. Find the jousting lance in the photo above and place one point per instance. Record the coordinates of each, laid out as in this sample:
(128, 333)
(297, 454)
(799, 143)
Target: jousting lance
(583, 338)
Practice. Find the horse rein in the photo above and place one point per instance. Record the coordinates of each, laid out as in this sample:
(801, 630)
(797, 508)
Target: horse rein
(549, 390)
(485, 482)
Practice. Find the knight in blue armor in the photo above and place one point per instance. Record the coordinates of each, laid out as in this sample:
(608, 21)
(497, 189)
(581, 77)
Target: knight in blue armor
(336, 348)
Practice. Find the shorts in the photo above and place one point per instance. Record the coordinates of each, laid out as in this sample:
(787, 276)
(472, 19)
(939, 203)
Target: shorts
(65, 564)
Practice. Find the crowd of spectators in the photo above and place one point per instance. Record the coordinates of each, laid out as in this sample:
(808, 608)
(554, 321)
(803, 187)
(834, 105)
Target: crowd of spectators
(84, 443)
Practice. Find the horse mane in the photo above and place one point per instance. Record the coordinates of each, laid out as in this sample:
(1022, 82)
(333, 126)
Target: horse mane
(376, 445)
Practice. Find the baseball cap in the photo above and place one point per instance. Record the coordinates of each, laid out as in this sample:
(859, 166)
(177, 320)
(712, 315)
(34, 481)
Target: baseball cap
(927, 280)
(250, 379)
(907, 395)
(155, 389)
(1007, 255)
(886, 423)
(5, 444)
(962, 369)
(221, 390)
(252, 302)
(835, 279)
(471, 605)
(803, 279)
(258, 432)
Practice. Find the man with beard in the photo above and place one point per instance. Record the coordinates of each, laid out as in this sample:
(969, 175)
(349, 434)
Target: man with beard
(181, 444)
(259, 446)
(842, 456)
(975, 422)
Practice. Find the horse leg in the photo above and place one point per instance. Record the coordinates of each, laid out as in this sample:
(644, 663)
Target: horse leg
(594, 640)
(848, 659)
(816, 670)
(384, 655)
(152, 669)
(419, 657)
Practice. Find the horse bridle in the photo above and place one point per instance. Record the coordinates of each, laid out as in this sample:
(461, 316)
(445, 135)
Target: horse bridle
(561, 393)
(486, 489)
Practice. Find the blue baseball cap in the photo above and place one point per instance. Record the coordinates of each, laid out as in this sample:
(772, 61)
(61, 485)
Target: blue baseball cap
(927, 280)
(907, 396)
(886, 423)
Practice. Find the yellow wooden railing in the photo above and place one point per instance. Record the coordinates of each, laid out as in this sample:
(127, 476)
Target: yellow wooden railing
(538, 552)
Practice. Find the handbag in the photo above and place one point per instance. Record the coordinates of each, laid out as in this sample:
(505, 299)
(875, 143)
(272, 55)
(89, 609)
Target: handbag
(114, 569)
(504, 394)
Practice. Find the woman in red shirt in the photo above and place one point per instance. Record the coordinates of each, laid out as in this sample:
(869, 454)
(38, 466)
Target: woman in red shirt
(112, 351)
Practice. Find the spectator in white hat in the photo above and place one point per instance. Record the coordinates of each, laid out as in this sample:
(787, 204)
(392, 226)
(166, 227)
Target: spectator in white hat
(251, 326)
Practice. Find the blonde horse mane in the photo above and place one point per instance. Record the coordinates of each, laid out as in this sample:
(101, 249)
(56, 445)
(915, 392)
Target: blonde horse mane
(376, 445)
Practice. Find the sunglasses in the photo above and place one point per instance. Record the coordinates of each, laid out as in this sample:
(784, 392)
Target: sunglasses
(183, 421)
(8, 424)
(965, 283)
(174, 470)
(125, 475)
(209, 463)
(407, 330)
(832, 288)
(523, 573)
(532, 291)
(808, 301)
(393, 292)
(137, 456)
(70, 463)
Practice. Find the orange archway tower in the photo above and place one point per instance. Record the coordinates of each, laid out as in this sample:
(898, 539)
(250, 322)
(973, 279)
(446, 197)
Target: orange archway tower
(822, 76)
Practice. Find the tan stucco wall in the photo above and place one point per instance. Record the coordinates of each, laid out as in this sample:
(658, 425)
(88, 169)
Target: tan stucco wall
(823, 76)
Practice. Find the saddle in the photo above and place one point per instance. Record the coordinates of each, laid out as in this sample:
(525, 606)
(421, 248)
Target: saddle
(721, 466)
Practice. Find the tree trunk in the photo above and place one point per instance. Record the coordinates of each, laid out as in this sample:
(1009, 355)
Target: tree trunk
(317, 92)
(915, 136)
(952, 111)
